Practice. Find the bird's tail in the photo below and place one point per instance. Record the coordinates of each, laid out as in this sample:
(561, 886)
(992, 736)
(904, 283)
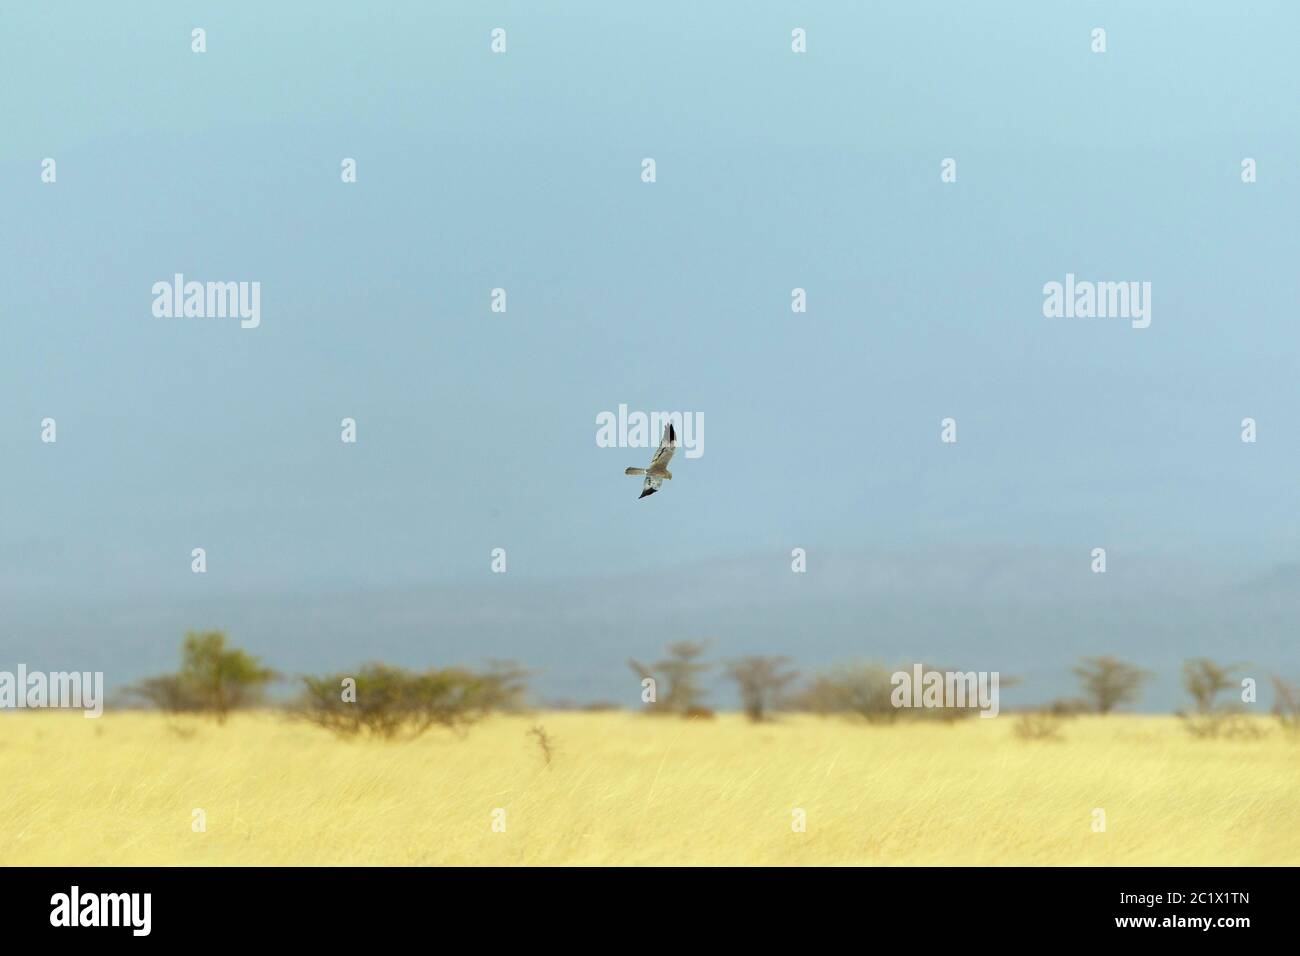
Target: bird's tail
(635, 471)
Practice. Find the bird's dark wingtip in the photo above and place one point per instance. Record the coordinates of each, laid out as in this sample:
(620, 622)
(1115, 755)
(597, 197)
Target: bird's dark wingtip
(648, 491)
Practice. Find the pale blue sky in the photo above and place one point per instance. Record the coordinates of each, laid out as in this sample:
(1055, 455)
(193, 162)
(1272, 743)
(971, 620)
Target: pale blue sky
(774, 171)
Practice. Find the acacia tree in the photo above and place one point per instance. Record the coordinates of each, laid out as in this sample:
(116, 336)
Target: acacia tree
(223, 678)
(1286, 704)
(395, 703)
(1204, 680)
(213, 678)
(761, 681)
(1108, 682)
(680, 672)
(502, 686)
(167, 693)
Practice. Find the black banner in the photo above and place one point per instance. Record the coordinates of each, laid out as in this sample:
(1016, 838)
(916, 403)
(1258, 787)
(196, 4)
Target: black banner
(298, 905)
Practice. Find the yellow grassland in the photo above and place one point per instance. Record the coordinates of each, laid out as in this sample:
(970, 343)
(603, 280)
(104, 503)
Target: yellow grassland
(630, 789)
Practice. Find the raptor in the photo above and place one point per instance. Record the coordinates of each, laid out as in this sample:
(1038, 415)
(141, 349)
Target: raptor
(658, 470)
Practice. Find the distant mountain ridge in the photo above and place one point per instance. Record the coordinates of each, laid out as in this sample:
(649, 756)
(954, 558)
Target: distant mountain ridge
(1028, 614)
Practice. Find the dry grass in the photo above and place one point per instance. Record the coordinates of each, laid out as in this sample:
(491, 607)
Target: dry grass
(629, 789)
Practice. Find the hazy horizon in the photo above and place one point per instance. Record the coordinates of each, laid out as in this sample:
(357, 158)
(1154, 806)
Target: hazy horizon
(1028, 616)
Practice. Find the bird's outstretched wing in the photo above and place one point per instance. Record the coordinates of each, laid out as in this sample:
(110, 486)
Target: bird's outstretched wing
(652, 484)
(667, 445)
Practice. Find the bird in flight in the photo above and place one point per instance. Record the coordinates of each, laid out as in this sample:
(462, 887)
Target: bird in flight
(658, 470)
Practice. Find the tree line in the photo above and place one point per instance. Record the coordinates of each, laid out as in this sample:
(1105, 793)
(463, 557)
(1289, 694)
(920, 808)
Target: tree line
(216, 678)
